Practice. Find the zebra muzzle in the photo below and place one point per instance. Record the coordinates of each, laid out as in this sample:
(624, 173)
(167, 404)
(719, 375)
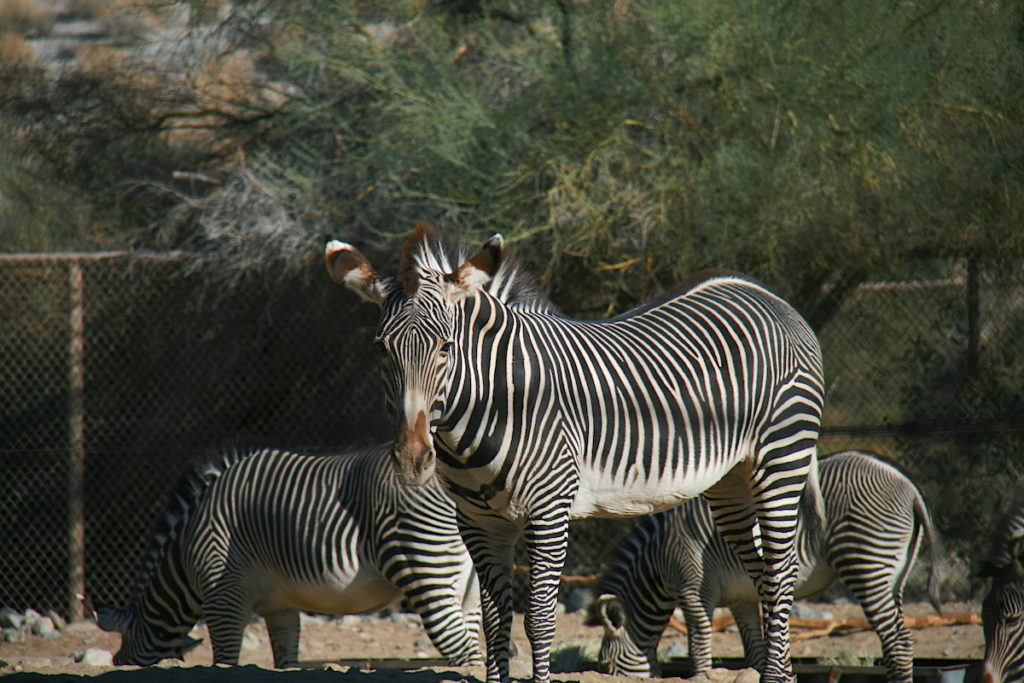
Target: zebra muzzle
(414, 451)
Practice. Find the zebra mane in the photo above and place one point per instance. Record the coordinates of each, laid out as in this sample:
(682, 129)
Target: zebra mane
(188, 493)
(511, 284)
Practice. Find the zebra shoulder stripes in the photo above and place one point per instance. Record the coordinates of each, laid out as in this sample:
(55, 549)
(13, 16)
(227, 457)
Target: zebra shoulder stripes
(275, 532)
(532, 418)
(877, 520)
(1002, 612)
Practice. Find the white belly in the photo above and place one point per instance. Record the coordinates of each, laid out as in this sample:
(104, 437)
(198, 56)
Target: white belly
(599, 496)
(349, 593)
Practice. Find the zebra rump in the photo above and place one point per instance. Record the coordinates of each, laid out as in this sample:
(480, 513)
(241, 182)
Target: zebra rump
(876, 521)
(1002, 612)
(274, 532)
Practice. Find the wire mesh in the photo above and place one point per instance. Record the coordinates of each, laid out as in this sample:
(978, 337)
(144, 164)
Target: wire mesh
(174, 369)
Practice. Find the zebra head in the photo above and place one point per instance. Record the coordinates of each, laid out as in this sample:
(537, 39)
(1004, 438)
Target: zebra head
(142, 644)
(417, 332)
(620, 654)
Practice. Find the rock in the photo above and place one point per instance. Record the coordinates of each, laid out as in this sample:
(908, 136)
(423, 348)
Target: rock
(43, 626)
(802, 611)
(748, 676)
(579, 598)
(677, 650)
(58, 620)
(10, 619)
(31, 617)
(95, 656)
(250, 641)
(12, 635)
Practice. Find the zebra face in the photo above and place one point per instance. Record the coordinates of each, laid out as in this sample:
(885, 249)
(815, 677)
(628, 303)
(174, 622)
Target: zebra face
(418, 331)
(142, 645)
(1002, 615)
(416, 335)
(619, 654)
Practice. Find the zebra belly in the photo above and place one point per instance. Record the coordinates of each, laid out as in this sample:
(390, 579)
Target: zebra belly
(364, 591)
(635, 494)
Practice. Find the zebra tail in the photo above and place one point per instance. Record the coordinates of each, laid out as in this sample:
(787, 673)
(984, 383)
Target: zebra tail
(936, 573)
(812, 505)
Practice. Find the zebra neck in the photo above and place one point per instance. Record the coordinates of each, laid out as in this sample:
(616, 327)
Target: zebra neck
(167, 600)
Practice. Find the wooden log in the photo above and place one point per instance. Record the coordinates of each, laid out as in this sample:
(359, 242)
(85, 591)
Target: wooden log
(823, 627)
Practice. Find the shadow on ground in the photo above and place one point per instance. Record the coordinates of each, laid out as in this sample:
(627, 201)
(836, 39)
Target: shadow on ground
(251, 673)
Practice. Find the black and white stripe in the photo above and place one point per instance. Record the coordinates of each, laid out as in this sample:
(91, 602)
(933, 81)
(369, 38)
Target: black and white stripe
(1002, 612)
(537, 418)
(276, 532)
(877, 521)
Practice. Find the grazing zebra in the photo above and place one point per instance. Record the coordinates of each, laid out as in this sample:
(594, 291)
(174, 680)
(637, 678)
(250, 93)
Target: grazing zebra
(1002, 613)
(273, 533)
(876, 522)
(536, 418)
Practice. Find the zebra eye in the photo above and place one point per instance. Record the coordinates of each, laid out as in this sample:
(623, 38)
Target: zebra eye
(446, 347)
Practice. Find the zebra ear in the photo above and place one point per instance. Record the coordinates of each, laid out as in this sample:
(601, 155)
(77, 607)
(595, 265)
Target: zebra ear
(612, 613)
(347, 266)
(477, 271)
(112, 619)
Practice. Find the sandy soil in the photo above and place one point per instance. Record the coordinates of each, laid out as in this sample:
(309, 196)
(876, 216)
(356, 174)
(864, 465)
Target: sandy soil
(400, 636)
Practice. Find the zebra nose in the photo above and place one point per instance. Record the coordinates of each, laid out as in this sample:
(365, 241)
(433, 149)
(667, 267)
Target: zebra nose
(414, 451)
(988, 675)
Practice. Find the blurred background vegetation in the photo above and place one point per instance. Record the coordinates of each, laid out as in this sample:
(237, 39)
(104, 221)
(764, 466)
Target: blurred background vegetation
(617, 144)
(620, 143)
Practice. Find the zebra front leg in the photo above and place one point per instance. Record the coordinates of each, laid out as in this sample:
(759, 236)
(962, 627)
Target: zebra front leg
(227, 609)
(777, 501)
(698, 613)
(882, 605)
(748, 620)
(435, 597)
(491, 548)
(283, 628)
(547, 538)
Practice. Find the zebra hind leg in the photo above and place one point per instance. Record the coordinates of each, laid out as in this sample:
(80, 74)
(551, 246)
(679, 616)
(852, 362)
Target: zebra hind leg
(748, 620)
(283, 628)
(698, 611)
(436, 598)
(882, 605)
(491, 548)
(547, 538)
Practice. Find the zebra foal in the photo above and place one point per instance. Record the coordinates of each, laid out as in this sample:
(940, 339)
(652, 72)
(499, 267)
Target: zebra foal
(1002, 612)
(532, 418)
(275, 532)
(877, 520)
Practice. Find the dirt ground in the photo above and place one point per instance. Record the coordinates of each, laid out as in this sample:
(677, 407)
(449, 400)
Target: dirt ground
(400, 636)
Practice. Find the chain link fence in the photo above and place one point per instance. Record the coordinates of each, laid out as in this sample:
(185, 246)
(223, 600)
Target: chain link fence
(121, 372)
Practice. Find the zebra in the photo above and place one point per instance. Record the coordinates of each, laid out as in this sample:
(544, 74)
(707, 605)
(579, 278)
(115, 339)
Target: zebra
(877, 520)
(274, 532)
(1002, 612)
(536, 418)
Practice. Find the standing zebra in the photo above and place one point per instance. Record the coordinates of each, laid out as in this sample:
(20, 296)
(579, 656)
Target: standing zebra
(876, 522)
(275, 532)
(537, 418)
(1002, 613)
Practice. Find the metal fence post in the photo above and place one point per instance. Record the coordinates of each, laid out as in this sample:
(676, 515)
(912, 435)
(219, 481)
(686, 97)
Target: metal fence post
(76, 437)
